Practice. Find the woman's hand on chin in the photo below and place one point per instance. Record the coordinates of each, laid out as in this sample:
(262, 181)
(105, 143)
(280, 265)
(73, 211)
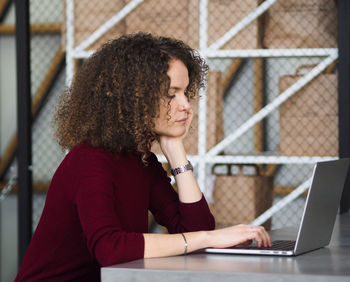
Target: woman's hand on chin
(188, 122)
(169, 143)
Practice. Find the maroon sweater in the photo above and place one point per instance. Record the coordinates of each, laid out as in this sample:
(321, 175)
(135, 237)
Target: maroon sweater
(96, 211)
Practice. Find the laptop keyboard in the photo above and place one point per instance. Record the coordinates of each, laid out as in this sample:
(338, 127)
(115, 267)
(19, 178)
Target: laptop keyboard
(278, 245)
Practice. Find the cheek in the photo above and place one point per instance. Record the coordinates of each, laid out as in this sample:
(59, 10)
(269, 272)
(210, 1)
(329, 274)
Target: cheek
(163, 114)
(172, 110)
(167, 112)
(163, 117)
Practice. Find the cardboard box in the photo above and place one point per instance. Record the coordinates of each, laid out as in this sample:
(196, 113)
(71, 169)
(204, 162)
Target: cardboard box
(309, 136)
(179, 19)
(224, 14)
(301, 24)
(309, 119)
(241, 198)
(89, 15)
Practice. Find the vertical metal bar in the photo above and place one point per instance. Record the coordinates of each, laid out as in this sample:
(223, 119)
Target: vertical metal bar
(344, 92)
(24, 150)
(69, 41)
(202, 105)
(203, 24)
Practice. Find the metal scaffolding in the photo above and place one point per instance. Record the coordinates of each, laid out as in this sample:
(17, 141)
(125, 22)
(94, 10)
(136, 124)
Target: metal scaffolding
(205, 158)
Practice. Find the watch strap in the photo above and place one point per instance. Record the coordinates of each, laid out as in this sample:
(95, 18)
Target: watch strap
(182, 169)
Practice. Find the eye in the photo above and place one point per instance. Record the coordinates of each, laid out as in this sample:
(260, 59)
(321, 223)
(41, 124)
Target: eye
(171, 94)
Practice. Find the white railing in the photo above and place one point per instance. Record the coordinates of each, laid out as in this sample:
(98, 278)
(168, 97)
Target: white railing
(213, 51)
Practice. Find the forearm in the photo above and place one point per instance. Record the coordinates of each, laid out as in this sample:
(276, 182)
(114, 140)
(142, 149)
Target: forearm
(163, 245)
(187, 185)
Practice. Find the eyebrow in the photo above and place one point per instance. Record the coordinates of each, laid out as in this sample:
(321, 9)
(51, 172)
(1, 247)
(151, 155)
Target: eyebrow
(175, 88)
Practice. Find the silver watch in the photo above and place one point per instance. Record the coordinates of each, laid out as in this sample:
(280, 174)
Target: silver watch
(182, 169)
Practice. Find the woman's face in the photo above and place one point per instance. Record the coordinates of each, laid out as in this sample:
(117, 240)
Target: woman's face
(173, 123)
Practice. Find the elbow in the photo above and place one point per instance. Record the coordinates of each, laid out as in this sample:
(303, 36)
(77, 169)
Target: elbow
(210, 223)
(204, 225)
(124, 249)
(103, 261)
(107, 256)
(112, 258)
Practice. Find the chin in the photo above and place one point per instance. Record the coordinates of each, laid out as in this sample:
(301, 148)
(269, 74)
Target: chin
(172, 132)
(175, 133)
(179, 132)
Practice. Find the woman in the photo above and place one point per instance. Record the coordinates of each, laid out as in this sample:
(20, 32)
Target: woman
(132, 92)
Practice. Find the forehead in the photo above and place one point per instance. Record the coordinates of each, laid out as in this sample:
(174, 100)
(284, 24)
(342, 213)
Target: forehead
(178, 74)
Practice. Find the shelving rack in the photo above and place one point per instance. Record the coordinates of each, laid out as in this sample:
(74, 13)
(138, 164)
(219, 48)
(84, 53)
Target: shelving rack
(214, 51)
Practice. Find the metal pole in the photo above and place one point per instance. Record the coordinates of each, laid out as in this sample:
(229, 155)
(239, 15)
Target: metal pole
(24, 150)
(344, 92)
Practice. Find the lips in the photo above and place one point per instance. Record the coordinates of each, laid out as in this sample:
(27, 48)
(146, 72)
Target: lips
(182, 120)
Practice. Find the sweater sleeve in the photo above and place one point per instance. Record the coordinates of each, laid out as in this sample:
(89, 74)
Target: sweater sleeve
(169, 211)
(95, 201)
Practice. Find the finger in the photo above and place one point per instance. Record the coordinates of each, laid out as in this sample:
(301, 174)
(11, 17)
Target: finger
(247, 242)
(268, 239)
(188, 121)
(190, 116)
(254, 235)
(263, 235)
(260, 235)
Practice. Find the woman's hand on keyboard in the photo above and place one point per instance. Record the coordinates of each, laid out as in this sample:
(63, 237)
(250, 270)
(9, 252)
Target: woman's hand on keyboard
(239, 234)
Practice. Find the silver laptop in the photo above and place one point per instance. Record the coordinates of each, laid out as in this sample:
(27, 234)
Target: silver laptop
(318, 218)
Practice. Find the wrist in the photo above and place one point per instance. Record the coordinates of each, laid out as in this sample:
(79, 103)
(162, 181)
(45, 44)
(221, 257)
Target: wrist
(196, 240)
(183, 168)
(206, 239)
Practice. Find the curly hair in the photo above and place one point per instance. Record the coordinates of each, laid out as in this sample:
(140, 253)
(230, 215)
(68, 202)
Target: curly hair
(115, 95)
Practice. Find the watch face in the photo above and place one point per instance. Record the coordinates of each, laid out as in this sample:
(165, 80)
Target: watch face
(181, 169)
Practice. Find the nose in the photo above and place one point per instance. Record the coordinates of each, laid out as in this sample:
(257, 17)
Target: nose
(184, 103)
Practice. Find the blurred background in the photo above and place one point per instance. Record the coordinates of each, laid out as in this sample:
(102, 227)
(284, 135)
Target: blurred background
(270, 110)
